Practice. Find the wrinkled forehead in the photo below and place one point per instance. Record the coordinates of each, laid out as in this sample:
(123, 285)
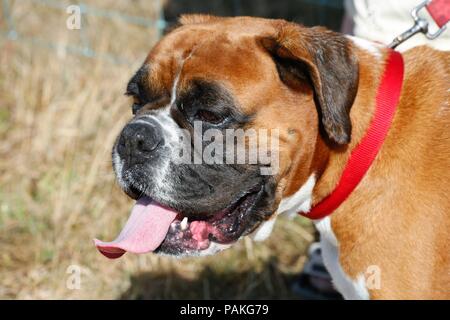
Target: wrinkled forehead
(218, 55)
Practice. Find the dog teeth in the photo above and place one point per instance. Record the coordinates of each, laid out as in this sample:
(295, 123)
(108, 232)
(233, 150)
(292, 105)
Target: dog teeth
(184, 223)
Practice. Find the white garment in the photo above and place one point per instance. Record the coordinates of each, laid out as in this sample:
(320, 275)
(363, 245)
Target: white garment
(383, 20)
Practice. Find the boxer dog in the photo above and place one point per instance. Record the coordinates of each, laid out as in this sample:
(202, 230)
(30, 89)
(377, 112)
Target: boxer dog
(318, 88)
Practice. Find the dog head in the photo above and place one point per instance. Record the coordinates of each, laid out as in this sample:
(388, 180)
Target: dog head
(212, 77)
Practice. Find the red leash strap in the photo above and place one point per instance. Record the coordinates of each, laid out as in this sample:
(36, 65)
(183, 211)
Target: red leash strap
(439, 11)
(364, 153)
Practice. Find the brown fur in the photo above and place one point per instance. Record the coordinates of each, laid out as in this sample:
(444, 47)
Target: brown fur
(399, 216)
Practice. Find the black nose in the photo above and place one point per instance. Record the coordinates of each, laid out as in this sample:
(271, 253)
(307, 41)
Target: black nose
(139, 140)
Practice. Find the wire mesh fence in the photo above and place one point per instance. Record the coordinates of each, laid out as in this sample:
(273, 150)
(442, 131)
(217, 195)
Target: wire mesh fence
(84, 47)
(309, 12)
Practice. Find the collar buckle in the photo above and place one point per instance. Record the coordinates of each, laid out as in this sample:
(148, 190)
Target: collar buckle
(420, 26)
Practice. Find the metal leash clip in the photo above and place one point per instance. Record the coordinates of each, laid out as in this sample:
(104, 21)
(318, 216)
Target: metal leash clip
(420, 26)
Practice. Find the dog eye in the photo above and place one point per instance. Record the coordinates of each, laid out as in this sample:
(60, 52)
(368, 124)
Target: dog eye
(137, 104)
(208, 116)
(136, 107)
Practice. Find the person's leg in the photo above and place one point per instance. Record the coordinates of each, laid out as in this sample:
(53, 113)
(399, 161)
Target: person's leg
(314, 282)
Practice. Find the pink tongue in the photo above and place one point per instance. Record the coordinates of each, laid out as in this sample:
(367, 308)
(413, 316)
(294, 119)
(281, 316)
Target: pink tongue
(144, 231)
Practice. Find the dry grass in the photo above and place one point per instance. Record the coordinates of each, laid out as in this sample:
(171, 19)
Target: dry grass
(59, 116)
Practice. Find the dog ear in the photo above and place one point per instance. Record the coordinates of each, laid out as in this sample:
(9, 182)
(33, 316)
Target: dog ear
(327, 59)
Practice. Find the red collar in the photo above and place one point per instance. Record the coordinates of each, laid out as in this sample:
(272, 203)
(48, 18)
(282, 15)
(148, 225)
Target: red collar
(366, 151)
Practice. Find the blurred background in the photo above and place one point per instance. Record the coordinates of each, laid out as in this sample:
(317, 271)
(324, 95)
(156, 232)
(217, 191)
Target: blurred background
(61, 107)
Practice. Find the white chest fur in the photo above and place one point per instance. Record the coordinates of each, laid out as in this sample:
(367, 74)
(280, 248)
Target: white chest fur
(301, 202)
(353, 289)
